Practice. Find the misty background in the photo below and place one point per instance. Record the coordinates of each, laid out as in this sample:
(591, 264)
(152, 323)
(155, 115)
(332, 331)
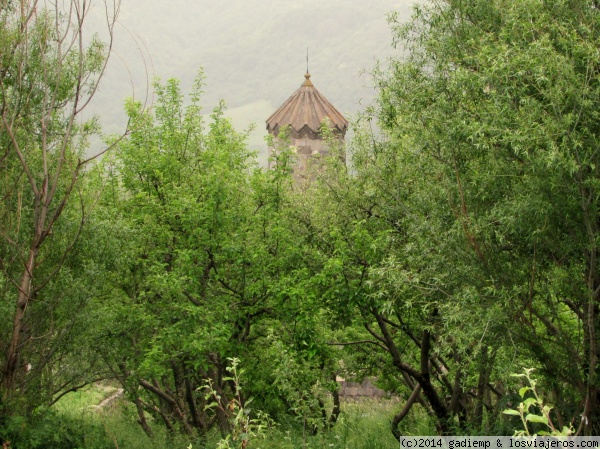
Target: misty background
(253, 53)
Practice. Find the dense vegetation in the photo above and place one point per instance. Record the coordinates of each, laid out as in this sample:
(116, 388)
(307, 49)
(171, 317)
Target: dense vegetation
(458, 246)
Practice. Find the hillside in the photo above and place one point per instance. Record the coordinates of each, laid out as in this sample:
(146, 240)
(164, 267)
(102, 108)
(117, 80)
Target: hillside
(253, 52)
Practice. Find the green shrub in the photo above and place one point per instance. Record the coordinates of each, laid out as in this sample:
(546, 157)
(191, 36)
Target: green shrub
(534, 410)
(47, 429)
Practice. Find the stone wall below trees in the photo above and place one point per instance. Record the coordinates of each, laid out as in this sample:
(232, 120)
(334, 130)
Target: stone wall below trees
(365, 389)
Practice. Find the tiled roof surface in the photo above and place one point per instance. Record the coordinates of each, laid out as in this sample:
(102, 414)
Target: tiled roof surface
(304, 112)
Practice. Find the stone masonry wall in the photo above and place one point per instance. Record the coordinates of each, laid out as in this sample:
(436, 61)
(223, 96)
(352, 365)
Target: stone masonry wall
(364, 389)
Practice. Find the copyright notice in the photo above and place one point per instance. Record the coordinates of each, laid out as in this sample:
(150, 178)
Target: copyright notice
(488, 442)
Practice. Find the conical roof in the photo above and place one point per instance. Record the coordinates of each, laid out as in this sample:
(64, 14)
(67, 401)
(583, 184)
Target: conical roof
(304, 112)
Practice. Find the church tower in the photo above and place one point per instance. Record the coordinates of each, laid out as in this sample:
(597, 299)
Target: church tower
(304, 112)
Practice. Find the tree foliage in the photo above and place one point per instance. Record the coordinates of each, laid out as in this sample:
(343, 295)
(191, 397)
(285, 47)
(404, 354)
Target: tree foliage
(491, 152)
(47, 78)
(208, 260)
(459, 246)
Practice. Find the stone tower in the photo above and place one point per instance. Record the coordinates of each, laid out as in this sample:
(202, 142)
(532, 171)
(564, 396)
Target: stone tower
(304, 112)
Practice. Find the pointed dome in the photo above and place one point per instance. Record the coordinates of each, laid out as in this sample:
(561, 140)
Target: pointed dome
(304, 112)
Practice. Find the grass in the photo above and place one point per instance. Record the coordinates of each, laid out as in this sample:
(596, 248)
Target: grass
(118, 420)
(81, 401)
(363, 424)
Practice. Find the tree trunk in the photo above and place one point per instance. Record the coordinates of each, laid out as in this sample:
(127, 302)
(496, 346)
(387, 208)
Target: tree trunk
(481, 387)
(590, 425)
(335, 411)
(142, 418)
(400, 416)
(421, 376)
(15, 346)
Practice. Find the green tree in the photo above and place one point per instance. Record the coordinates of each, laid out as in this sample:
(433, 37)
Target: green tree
(493, 116)
(206, 247)
(361, 240)
(48, 76)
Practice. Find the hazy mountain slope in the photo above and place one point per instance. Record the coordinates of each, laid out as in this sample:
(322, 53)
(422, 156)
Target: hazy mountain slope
(253, 51)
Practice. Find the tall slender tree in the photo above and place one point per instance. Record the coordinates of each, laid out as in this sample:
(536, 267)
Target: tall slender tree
(50, 67)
